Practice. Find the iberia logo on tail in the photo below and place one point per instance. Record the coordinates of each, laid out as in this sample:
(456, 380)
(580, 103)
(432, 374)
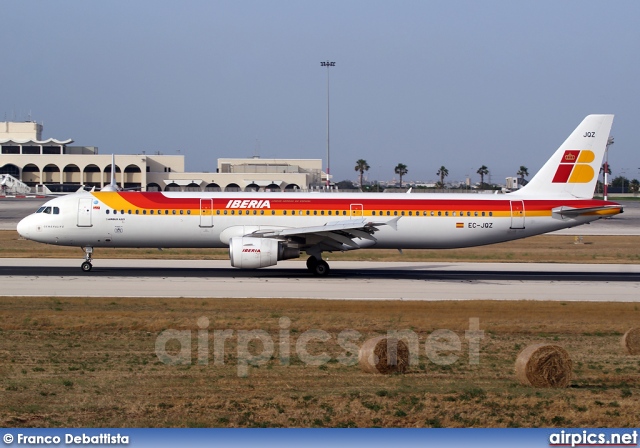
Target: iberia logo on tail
(575, 167)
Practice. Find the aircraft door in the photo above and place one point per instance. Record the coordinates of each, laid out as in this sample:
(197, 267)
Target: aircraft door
(84, 212)
(357, 210)
(206, 212)
(517, 214)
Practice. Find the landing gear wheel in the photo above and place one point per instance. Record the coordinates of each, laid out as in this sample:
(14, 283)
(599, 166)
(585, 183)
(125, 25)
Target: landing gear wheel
(321, 268)
(311, 263)
(86, 266)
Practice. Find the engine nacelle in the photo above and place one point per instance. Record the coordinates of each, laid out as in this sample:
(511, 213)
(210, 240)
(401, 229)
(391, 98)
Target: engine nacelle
(250, 253)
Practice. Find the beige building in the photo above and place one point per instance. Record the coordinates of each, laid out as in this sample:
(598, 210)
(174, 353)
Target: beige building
(56, 166)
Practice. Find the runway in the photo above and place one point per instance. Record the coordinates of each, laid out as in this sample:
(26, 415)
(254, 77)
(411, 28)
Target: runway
(348, 280)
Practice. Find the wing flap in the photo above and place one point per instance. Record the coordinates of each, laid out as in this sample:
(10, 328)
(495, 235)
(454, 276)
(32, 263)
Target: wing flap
(341, 232)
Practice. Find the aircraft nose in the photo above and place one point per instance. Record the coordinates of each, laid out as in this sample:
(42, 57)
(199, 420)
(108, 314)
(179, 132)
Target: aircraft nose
(23, 228)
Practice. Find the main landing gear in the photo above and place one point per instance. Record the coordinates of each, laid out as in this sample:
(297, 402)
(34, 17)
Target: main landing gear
(86, 265)
(318, 267)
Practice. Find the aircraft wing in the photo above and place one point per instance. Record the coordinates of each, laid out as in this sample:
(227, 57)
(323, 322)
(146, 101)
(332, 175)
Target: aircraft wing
(336, 235)
(573, 212)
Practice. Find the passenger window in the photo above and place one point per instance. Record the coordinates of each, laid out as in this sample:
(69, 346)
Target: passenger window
(453, 213)
(144, 212)
(395, 213)
(344, 212)
(402, 213)
(173, 211)
(137, 212)
(129, 211)
(482, 213)
(439, 213)
(166, 212)
(410, 213)
(188, 212)
(432, 213)
(151, 212)
(107, 211)
(285, 212)
(315, 212)
(373, 213)
(308, 212)
(255, 212)
(122, 212)
(388, 213)
(225, 212)
(262, 212)
(273, 212)
(233, 212)
(182, 212)
(115, 212)
(322, 212)
(446, 213)
(330, 212)
(490, 213)
(468, 213)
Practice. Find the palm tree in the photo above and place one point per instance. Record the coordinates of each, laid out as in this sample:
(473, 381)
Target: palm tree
(482, 171)
(401, 170)
(442, 172)
(361, 166)
(523, 172)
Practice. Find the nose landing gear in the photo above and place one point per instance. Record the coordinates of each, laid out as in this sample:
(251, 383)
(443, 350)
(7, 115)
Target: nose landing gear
(86, 265)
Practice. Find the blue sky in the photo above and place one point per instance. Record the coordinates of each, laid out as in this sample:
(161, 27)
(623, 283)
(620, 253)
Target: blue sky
(424, 83)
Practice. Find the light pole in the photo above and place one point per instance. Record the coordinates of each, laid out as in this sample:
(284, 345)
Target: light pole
(328, 64)
(606, 167)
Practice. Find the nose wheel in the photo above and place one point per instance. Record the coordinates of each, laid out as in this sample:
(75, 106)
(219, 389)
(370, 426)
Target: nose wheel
(86, 265)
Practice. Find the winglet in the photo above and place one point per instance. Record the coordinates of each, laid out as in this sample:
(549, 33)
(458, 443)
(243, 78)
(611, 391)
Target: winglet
(113, 186)
(393, 223)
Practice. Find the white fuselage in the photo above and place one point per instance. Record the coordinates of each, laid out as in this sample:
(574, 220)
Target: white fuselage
(209, 220)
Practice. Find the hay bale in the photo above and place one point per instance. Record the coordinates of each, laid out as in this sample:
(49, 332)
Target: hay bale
(631, 341)
(383, 355)
(543, 365)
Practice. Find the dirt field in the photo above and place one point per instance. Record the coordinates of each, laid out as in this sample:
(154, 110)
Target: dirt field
(93, 362)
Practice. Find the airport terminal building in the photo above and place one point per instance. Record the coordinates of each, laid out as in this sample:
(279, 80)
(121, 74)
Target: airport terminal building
(57, 166)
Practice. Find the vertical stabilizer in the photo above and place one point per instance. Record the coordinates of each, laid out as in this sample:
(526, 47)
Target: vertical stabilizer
(573, 169)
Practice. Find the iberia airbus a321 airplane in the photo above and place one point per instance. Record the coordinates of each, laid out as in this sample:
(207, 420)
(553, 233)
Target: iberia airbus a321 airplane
(261, 229)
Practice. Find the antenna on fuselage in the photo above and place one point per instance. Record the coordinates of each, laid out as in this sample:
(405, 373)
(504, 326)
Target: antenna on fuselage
(113, 186)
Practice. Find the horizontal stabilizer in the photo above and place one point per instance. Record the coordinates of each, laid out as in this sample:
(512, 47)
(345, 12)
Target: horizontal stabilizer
(572, 212)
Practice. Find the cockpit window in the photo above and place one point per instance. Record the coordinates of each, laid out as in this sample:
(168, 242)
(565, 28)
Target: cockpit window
(47, 210)
(56, 210)
(41, 209)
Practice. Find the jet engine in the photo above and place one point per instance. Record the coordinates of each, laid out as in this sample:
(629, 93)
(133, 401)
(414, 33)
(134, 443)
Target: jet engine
(250, 253)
